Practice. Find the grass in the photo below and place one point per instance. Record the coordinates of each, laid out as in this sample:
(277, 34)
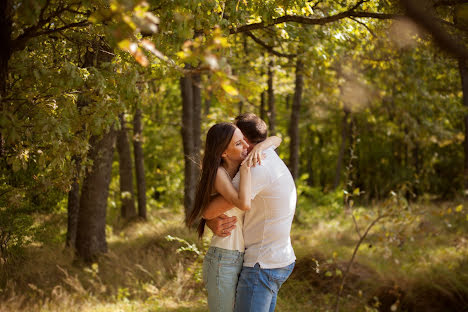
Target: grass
(415, 262)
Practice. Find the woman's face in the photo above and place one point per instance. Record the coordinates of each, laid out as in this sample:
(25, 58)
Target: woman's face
(237, 148)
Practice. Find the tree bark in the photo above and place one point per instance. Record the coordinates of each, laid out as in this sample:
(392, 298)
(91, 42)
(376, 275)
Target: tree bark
(262, 105)
(294, 123)
(271, 100)
(463, 66)
(91, 230)
(344, 138)
(127, 209)
(197, 103)
(310, 158)
(139, 164)
(191, 102)
(73, 206)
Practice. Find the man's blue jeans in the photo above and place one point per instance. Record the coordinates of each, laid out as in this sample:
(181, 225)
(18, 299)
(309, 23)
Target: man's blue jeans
(258, 288)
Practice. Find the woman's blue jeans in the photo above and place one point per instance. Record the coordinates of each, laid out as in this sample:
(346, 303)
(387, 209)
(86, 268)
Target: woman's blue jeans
(258, 288)
(221, 268)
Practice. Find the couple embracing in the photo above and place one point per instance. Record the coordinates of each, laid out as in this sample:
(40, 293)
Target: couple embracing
(243, 181)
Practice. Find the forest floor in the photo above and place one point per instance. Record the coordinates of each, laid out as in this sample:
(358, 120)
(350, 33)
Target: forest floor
(415, 262)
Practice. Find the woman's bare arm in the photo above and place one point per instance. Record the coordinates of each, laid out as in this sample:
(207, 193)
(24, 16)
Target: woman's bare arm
(223, 186)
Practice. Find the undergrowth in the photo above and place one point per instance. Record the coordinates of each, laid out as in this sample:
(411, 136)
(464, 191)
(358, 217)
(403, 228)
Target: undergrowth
(417, 263)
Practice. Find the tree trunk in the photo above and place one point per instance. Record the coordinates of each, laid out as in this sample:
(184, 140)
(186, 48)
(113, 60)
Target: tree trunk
(262, 106)
(462, 64)
(91, 231)
(127, 202)
(294, 123)
(196, 124)
(271, 101)
(344, 137)
(139, 164)
(310, 158)
(91, 228)
(191, 100)
(73, 205)
(5, 53)
(207, 103)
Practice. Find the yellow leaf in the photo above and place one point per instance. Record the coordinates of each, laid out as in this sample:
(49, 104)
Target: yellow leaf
(125, 44)
(356, 191)
(449, 210)
(229, 89)
(459, 208)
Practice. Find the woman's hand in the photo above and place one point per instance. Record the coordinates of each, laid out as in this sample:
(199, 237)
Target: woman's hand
(254, 157)
(256, 154)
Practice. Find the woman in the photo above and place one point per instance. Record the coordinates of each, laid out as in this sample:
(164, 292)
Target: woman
(225, 150)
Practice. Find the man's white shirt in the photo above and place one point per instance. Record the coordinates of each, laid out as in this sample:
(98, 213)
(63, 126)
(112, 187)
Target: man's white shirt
(267, 225)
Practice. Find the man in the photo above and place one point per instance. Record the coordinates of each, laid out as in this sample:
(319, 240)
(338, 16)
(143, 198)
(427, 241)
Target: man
(269, 257)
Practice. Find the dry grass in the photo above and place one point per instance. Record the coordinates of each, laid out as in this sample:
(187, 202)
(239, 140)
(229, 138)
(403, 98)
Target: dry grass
(419, 265)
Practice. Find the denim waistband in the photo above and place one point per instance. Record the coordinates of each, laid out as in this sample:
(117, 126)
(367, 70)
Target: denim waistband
(216, 250)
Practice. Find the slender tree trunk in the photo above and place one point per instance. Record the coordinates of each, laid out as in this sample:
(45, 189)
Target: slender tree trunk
(191, 102)
(139, 164)
(288, 100)
(5, 54)
(262, 105)
(73, 205)
(271, 100)
(91, 231)
(197, 102)
(463, 66)
(344, 138)
(207, 103)
(294, 123)
(310, 158)
(126, 171)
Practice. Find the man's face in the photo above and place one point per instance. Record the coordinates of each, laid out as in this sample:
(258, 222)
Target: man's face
(251, 145)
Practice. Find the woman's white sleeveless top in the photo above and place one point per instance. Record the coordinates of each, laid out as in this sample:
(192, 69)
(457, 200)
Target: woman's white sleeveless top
(235, 241)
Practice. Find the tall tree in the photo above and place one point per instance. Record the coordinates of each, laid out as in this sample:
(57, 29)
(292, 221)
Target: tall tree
(126, 171)
(271, 100)
(5, 53)
(139, 163)
(91, 229)
(294, 121)
(345, 134)
(191, 128)
(462, 64)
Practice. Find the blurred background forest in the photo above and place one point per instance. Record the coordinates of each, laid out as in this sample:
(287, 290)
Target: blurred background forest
(104, 109)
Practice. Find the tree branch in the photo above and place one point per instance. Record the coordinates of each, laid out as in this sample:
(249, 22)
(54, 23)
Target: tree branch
(18, 43)
(314, 21)
(416, 11)
(269, 48)
(37, 30)
(448, 3)
(365, 26)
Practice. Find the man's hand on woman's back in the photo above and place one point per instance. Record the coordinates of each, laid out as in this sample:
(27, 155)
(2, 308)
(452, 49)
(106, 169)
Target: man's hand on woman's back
(222, 225)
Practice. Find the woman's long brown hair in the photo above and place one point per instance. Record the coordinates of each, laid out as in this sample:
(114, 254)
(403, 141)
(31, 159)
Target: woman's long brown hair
(217, 140)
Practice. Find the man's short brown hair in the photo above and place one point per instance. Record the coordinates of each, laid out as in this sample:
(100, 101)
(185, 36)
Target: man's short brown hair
(254, 128)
